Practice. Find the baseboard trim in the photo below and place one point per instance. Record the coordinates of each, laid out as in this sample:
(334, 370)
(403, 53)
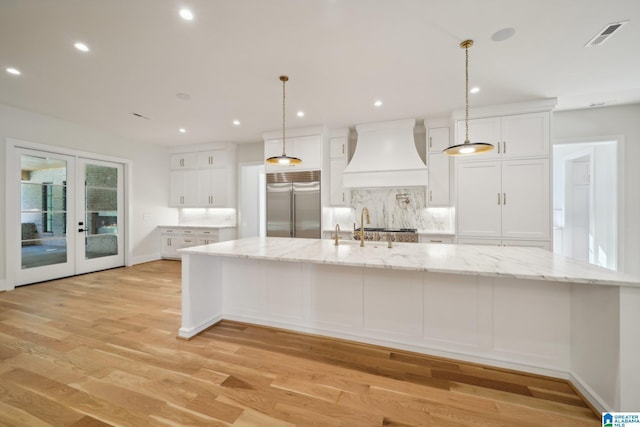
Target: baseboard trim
(3, 285)
(188, 333)
(598, 404)
(145, 258)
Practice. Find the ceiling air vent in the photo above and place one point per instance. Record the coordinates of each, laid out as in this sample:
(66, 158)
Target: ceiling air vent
(603, 35)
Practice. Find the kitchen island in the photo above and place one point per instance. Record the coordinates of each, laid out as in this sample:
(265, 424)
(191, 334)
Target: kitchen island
(514, 307)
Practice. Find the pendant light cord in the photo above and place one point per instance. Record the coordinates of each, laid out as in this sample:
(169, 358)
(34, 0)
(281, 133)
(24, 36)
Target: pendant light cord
(466, 88)
(283, 127)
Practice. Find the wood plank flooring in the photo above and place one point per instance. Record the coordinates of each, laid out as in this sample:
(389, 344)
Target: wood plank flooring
(101, 350)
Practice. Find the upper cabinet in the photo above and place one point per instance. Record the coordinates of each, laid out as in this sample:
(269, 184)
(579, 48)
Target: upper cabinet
(305, 144)
(437, 139)
(513, 136)
(438, 164)
(203, 178)
(338, 149)
(184, 161)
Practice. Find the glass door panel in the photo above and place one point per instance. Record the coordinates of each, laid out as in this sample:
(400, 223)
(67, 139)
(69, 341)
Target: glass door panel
(100, 230)
(44, 220)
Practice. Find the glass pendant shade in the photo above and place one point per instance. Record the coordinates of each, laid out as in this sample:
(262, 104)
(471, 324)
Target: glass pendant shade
(467, 148)
(283, 159)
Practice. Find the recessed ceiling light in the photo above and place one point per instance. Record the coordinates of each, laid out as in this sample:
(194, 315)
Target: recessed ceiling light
(236, 122)
(503, 34)
(378, 103)
(13, 71)
(183, 96)
(475, 89)
(182, 130)
(300, 113)
(81, 47)
(186, 14)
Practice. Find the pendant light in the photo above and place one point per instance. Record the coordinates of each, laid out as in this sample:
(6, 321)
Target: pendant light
(467, 147)
(283, 159)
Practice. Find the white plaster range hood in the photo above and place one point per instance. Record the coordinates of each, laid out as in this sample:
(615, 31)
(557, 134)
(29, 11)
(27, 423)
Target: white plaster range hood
(385, 156)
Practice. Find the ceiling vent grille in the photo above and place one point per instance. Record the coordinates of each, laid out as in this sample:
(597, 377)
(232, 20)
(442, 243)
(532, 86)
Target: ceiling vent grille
(607, 32)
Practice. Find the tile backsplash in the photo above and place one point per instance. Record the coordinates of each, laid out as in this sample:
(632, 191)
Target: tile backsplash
(392, 208)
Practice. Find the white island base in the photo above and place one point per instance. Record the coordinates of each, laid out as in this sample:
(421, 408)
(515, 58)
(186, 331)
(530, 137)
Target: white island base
(584, 332)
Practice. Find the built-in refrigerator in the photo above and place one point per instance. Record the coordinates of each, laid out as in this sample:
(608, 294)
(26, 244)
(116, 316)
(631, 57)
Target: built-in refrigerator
(293, 204)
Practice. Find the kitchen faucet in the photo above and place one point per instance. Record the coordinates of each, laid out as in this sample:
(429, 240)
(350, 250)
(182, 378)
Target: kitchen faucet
(336, 235)
(364, 210)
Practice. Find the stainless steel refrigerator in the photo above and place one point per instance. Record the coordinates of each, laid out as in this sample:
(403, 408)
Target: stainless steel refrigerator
(293, 204)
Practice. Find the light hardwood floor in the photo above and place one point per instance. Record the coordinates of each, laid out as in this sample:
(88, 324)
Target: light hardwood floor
(101, 349)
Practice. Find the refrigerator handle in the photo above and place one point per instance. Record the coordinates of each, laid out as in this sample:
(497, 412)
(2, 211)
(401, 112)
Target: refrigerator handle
(293, 214)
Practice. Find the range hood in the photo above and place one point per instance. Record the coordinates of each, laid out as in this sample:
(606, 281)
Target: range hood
(385, 156)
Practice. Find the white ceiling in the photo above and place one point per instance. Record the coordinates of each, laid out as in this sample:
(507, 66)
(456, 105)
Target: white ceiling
(340, 55)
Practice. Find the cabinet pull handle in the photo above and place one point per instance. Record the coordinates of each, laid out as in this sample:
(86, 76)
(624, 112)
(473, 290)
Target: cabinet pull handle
(430, 142)
(504, 147)
(342, 148)
(435, 241)
(504, 198)
(343, 197)
(498, 198)
(430, 195)
(498, 144)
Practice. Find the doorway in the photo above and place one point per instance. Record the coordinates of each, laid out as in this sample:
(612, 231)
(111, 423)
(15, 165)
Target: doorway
(69, 213)
(585, 202)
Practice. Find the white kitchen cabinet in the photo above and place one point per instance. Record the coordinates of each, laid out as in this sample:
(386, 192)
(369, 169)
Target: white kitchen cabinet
(212, 187)
(184, 160)
(170, 244)
(438, 139)
(338, 148)
(504, 199)
(513, 136)
(439, 179)
(478, 209)
(183, 188)
(174, 238)
(212, 159)
(203, 178)
(526, 209)
(434, 238)
(543, 244)
(307, 148)
(338, 194)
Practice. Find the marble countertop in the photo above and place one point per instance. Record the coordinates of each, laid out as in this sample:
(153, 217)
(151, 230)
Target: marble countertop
(493, 261)
(197, 226)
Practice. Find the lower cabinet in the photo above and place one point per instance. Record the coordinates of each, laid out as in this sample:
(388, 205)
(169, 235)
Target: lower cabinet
(174, 238)
(544, 244)
(434, 238)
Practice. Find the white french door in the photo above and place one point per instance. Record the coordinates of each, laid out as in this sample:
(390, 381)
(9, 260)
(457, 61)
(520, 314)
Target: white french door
(71, 215)
(99, 219)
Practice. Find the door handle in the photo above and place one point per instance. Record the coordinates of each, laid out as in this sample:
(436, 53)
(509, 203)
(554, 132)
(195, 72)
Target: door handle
(81, 230)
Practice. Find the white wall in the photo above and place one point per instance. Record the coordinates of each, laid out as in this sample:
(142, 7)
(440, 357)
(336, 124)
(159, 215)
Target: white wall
(608, 121)
(150, 177)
